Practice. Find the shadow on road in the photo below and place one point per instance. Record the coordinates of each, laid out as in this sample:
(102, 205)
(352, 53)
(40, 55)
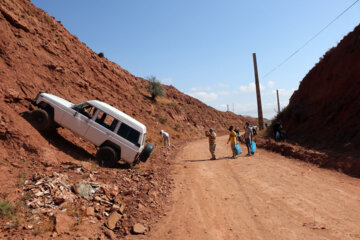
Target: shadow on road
(218, 159)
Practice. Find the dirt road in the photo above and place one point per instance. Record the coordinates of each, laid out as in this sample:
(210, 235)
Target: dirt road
(265, 196)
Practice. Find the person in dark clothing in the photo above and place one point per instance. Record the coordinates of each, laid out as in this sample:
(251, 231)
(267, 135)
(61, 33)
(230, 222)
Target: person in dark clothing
(276, 128)
(248, 137)
(279, 132)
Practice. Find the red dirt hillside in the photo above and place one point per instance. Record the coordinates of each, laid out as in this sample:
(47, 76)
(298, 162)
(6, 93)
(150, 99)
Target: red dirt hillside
(38, 54)
(324, 112)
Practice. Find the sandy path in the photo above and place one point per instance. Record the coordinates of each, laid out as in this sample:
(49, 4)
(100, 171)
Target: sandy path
(265, 196)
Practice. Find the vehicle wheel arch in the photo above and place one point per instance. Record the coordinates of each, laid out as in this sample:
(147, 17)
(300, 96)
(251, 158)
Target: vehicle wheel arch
(48, 108)
(114, 146)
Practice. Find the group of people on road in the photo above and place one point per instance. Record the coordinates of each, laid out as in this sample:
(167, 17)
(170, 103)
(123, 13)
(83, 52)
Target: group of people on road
(234, 137)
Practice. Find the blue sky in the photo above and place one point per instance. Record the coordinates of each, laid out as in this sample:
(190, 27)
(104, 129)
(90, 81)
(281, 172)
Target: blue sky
(204, 47)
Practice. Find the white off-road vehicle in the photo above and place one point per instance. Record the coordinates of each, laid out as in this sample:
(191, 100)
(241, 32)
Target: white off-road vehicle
(117, 135)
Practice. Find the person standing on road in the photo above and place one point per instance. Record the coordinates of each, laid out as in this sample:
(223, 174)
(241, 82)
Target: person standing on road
(232, 140)
(165, 137)
(212, 142)
(248, 137)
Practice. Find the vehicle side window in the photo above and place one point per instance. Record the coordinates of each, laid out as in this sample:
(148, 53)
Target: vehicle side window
(129, 133)
(106, 120)
(86, 109)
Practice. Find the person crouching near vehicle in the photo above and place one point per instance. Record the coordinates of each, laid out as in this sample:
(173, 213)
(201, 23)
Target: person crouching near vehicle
(248, 137)
(212, 142)
(232, 140)
(165, 137)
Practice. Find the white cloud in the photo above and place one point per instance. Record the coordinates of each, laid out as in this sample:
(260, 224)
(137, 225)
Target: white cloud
(251, 87)
(166, 81)
(201, 89)
(271, 84)
(224, 93)
(248, 88)
(221, 107)
(204, 96)
(284, 93)
(222, 85)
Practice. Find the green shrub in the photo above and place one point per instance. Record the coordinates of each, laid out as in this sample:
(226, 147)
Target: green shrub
(101, 54)
(162, 120)
(6, 209)
(155, 88)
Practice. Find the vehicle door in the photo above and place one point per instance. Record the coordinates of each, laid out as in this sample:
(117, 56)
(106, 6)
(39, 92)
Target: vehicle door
(102, 128)
(77, 120)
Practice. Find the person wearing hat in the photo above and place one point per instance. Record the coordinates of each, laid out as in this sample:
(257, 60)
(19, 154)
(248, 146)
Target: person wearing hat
(165, 137)
(212, 142)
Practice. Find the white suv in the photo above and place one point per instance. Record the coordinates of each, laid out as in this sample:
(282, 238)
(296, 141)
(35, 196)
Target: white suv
(117, 135)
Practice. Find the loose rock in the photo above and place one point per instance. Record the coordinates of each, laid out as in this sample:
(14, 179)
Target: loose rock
(64, 223)
(112, 220)
(138, 228)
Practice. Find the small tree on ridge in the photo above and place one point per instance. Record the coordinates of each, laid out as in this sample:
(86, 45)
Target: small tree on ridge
(155, 88)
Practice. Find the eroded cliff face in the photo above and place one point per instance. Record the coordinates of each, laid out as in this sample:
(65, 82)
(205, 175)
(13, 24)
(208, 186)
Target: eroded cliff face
(325, 111)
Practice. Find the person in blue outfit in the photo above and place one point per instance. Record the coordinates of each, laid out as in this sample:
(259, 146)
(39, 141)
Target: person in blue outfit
(279, 132)
(248, 137)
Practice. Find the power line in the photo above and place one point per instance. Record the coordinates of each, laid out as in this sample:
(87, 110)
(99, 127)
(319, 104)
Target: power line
(317, 34)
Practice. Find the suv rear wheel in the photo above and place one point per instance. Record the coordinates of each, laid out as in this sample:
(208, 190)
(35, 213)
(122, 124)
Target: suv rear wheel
(41, 119)
(107, 156)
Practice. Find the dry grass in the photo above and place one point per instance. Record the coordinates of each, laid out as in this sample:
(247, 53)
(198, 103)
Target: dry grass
(162, 120)
(21, 178)
(7, 209)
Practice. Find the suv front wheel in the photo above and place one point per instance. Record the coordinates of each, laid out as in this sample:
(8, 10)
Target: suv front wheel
(41, 119)
(107, 156)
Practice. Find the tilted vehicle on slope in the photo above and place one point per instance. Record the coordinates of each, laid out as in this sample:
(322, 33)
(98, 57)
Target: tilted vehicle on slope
(116, 134)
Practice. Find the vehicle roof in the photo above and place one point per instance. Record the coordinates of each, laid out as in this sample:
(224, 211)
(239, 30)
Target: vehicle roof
(118, 114)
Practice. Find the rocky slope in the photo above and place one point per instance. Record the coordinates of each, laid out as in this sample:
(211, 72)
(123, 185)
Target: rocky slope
(38, 54)
(324, 112)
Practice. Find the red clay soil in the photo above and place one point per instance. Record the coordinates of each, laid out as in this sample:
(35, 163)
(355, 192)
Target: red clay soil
(38, 54)
(324, 112)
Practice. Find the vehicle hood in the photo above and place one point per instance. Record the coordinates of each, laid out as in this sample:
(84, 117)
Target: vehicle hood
(57, 100)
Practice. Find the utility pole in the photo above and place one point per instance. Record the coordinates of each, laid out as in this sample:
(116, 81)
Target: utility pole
(277, 94)
(258, 96)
